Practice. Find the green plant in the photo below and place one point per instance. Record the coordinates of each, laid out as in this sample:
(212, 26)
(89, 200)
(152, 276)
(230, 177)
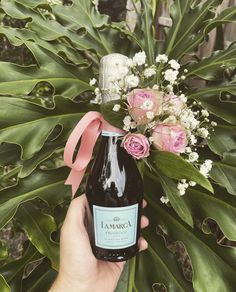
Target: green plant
(66, 44)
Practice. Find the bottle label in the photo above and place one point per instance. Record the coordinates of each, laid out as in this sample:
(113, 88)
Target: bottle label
(115, 227)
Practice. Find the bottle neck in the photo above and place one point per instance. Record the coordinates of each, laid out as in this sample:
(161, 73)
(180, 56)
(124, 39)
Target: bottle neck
(111, 134)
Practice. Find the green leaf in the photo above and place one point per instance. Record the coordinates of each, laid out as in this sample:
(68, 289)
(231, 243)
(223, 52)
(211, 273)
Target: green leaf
(148, 28)
(212, 99)
(189, 20)
(29, 165)
(9, 153)
(221, 207)
(114, 118)
(18, 37)
(176, 167)
(46, 185)
(224, 172)
(220, 259)
(66, 79)
(40, 279)
(177, 201)
(30, 124)
(14, 271)
(3, 285)
(39, 227)
(213, 67)
(223, 139)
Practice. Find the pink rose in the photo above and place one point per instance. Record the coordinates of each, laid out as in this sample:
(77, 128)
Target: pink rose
(142, 101)
(169, 137)
(174, 101)
(136, 145)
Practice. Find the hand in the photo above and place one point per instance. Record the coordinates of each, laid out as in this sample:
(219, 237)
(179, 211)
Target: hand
(79, 270)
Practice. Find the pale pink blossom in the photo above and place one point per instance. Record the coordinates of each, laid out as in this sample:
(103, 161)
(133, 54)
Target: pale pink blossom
(137, 97)
(169, 137)
(136, 145)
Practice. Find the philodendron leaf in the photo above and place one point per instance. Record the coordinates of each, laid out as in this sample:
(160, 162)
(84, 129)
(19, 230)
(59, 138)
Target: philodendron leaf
(213, 99)
(189, 19)
(176, 167)
(220, 266)
(14, 271)
(3, 285)
(66, 79)
(223, 139)
(30, 124)
(39, 227)
(46, 185)
(213, 67)
(221, 207)
(224, 172)
(40, 279)
(115, 118)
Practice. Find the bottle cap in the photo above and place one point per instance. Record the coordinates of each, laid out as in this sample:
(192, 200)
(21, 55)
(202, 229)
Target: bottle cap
(111, 66)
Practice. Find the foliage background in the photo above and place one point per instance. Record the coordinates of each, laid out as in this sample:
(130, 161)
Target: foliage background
(47, 60)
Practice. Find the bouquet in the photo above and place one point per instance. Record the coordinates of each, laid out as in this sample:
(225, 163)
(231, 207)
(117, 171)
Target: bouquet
(158, 117)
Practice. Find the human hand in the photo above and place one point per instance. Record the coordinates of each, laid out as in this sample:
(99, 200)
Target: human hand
(79, 270)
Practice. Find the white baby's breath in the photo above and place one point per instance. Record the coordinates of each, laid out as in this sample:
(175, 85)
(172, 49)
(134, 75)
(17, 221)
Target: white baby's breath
(182, 186)
(206, 167)
(151, 139)
(92, 81)
(171, 75)
(139, 58)
(127, 120)
(164, 200)
(150, 115)
(188, 149)
(192, 140)
(192, 183)
(149, 72)
(203, 132)
(116, 107)
(183, 98)
(132, 81)
(205, 113)
(155, 87)
(174, 64)
(161, 58)
(193, 156)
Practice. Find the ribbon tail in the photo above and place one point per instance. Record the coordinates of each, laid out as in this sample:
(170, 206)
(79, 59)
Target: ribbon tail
(74, 179)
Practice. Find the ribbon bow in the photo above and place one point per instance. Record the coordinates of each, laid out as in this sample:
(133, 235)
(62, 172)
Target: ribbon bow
(88, 129)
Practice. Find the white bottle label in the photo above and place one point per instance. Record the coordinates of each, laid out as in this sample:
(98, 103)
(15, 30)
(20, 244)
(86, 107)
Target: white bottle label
(115, 227)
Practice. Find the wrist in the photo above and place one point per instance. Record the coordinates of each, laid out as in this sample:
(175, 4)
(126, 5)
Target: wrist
(63, 284)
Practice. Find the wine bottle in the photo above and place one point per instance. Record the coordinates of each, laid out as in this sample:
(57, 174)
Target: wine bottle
(114, 189)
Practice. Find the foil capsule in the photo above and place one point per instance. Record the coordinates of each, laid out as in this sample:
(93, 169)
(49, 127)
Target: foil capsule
(111, 66)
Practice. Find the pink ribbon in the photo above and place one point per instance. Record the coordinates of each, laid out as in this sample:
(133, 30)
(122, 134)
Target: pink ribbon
(88, 129)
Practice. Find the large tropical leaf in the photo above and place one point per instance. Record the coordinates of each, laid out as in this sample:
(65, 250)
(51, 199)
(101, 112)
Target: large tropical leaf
(46, 185)
(39, 227)
(30, 124)
(13, 272)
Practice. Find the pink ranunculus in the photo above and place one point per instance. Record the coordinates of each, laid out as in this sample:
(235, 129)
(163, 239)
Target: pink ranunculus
(174, 101)
(136, 145)
(136, 99)
(170, 137)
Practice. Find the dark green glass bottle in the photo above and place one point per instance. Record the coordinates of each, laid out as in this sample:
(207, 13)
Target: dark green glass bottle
(114, 191)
